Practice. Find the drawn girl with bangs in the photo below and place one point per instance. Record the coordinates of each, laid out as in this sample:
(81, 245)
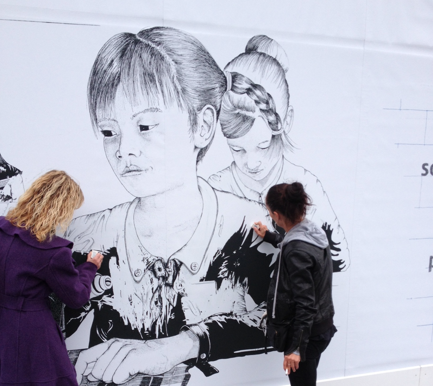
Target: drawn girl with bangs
(256, 118)
(184, 278)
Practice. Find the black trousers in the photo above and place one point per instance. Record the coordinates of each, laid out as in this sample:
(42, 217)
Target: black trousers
(306, 374)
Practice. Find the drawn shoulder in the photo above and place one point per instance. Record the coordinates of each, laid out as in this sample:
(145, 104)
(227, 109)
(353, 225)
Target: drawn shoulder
(237, 209)
(223, 181)
(293, 172)
(321, 212)
(313, 186)
(97, 230)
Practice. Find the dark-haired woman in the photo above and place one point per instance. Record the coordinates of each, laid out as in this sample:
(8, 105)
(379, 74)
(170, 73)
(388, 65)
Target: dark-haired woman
(300, 296)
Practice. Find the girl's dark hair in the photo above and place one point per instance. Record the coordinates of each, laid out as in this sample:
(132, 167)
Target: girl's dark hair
(161, 63)
(290, 200)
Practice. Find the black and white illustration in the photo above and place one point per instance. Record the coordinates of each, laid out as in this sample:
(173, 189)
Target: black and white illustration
(184, 279)
(256, 119)
(184, 273)
(175, 135)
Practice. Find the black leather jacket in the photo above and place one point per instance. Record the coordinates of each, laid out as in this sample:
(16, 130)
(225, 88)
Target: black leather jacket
(304, 295)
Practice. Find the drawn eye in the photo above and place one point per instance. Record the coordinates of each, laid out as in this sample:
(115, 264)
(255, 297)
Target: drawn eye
(108, 133)
(236, 149)
(146, 127)
(264, 145)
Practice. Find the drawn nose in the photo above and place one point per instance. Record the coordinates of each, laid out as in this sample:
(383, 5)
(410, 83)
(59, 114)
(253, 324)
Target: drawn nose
(128, 147)
(253, 163)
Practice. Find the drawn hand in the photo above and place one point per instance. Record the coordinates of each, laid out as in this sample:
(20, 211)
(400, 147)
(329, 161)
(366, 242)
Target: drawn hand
(119, 360)
(97, 259)
(260, 229)
(291, 362)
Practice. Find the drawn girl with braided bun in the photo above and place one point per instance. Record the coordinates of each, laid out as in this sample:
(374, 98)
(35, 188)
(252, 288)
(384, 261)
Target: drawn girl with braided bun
(256, 118)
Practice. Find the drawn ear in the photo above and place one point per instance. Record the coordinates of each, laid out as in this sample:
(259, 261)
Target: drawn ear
(206, 125)
(288, 123)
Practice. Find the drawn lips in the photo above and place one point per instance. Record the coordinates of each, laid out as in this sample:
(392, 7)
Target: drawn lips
(131, 171)
(255, 171)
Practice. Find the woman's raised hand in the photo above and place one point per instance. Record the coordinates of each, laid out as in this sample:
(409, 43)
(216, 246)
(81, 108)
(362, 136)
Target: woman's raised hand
(260, 229)
(95, 257)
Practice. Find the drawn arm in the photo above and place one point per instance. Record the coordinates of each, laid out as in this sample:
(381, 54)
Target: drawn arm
(119, 360)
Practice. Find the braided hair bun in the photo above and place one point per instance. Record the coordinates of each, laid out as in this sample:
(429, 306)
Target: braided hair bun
(258, 84)
(268, 46)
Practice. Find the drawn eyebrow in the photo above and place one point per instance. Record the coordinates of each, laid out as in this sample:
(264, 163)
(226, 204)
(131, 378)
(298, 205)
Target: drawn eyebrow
(106, 119)
(148, 110)
(264, 142)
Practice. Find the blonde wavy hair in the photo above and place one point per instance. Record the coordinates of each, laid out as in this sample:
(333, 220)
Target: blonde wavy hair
(48, 203)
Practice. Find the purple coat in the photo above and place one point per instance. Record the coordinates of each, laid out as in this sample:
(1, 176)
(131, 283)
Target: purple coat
(32, 348)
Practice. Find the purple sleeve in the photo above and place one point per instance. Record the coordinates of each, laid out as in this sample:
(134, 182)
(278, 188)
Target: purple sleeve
(71, 285)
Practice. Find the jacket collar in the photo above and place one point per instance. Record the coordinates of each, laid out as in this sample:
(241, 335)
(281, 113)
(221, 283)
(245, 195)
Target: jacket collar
(27, 237)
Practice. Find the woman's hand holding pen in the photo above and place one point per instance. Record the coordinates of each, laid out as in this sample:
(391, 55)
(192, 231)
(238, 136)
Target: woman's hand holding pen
(95, 257)
(260, 229)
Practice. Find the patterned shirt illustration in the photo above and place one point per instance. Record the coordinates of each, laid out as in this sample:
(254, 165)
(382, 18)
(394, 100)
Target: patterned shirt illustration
(217, 281)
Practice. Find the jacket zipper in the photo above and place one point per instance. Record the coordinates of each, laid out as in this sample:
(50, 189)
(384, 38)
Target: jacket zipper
(276, 284)
(300, 340)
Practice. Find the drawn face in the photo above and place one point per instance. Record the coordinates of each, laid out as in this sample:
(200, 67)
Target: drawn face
(148, 146)
(257, 152)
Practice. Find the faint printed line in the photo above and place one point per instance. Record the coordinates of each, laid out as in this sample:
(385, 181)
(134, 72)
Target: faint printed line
(50, 22)
(413, 144)
(401, 109)
(426, 111)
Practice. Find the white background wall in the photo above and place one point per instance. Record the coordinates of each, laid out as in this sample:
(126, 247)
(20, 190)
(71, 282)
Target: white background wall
(361, 83)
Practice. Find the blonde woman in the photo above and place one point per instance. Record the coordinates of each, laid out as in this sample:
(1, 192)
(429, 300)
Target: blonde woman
(33, 263)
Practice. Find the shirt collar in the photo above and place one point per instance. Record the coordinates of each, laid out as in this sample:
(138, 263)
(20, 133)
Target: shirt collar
(191, 254)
